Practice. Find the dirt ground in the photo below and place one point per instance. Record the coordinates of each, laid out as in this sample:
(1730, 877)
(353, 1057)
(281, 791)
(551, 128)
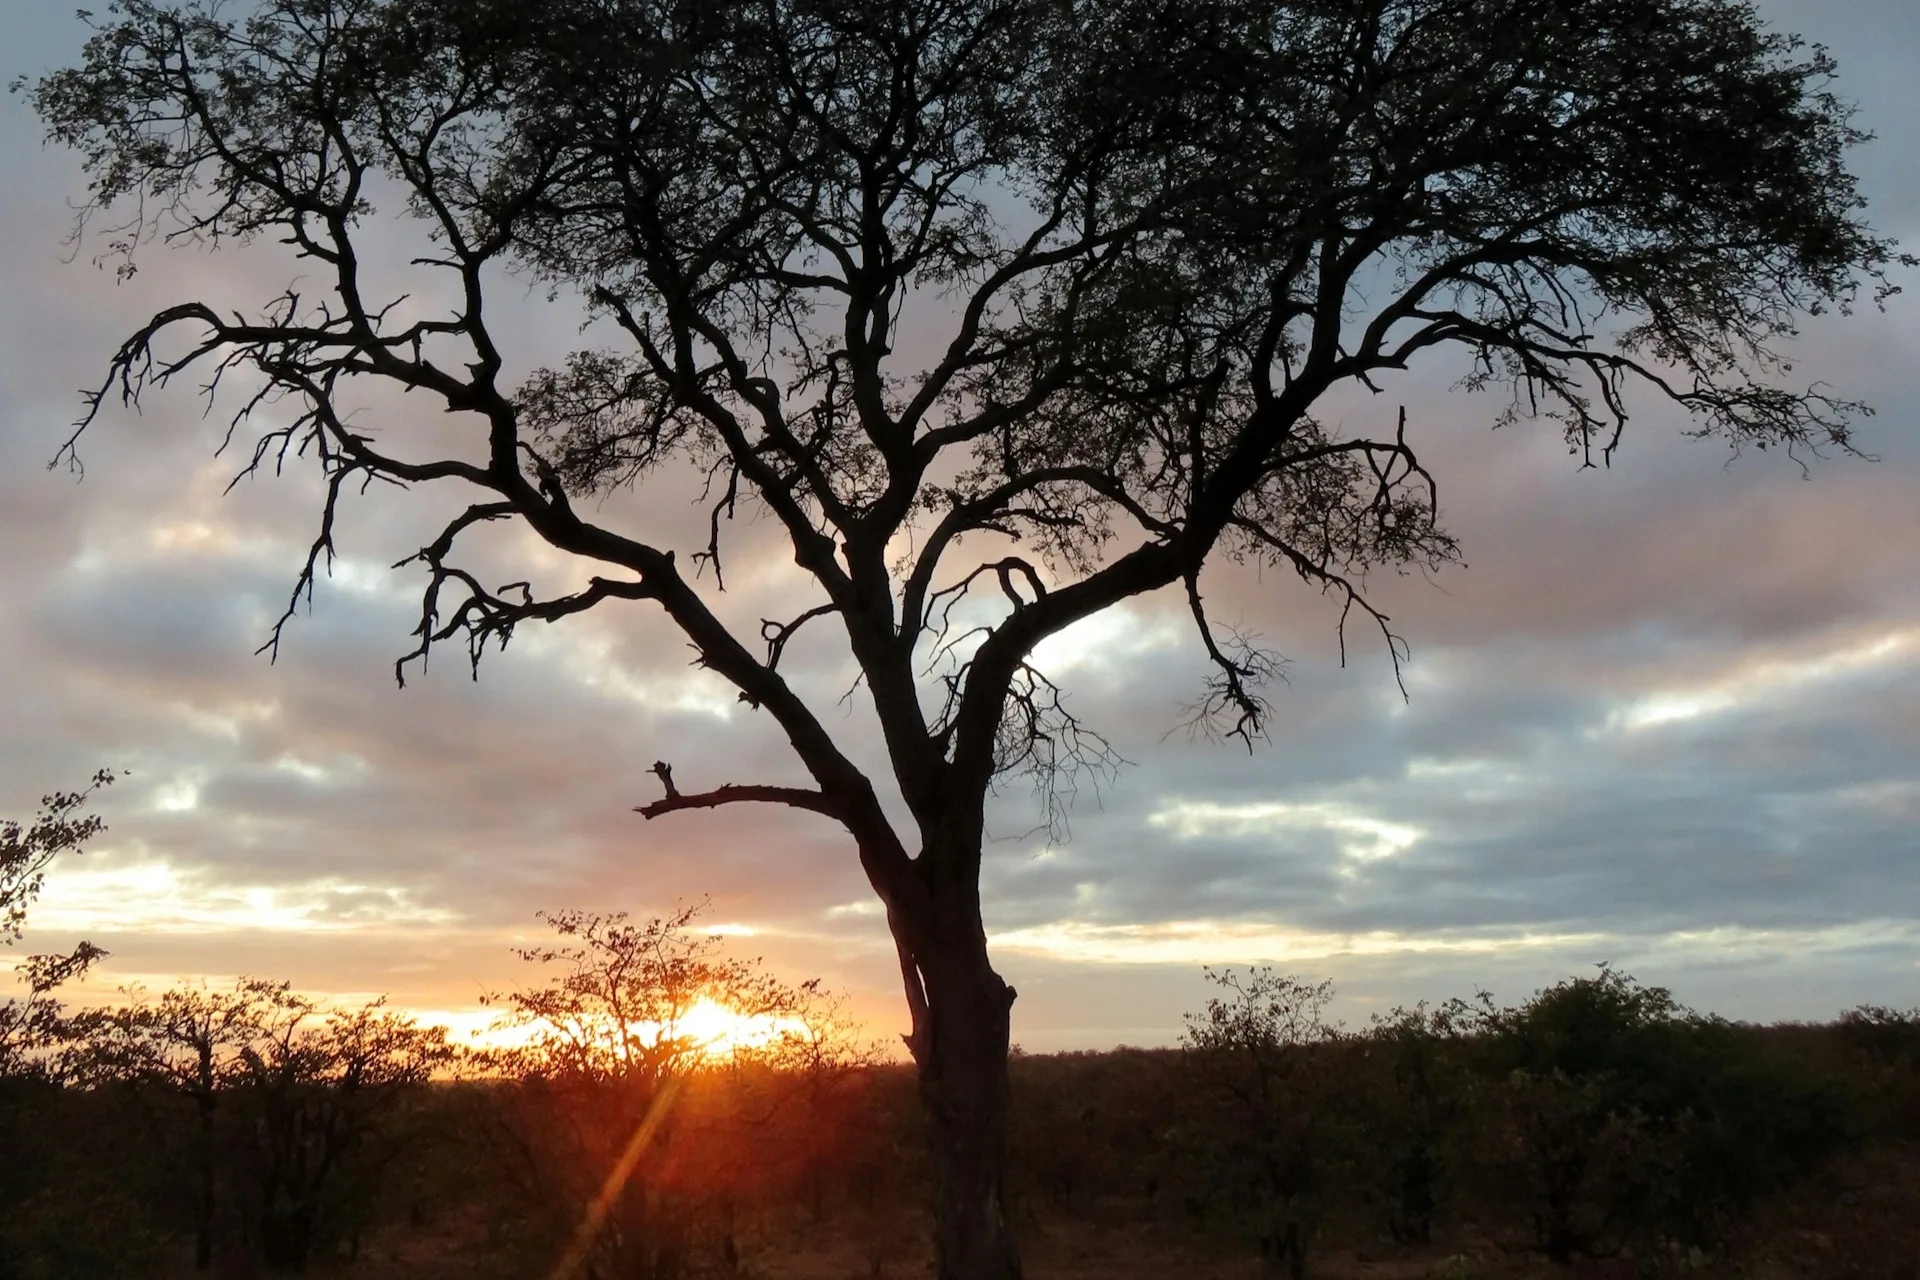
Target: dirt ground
(1052, 1251)
(1858, 1220)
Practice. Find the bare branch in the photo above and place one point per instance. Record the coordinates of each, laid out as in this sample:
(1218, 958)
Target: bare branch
(1234, 705)
(777, 634)
(676, 801)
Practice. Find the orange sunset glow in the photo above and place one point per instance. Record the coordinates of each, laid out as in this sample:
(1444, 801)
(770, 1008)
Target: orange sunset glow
(720, 1031)
(709, 1027)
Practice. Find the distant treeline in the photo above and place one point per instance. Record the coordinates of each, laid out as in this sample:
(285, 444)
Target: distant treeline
(1599, 1125)
(246, 1131)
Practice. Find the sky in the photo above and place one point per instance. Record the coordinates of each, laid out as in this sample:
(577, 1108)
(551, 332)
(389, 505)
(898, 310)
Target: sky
(1665, 716)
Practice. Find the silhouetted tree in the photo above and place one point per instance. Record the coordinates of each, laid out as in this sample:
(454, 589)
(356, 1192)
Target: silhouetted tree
(618, 1011)
(318, 1095)
(28, 849)
(35, 1033)
(34, 1028)
(188, 1044)
(1261, 1057)
(1886, 1043)
(31, 1026)
(1005, 311)
(1615, 1117)
(288, 1100)
(593, 1094)
(825, 1057)
(1415, 1102)
(1886, 1036)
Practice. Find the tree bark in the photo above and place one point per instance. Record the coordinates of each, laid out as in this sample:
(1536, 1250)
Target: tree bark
(960, 1048)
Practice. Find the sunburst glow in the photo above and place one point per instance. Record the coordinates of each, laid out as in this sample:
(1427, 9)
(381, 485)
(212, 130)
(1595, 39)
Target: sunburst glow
(708, 1028)
(720, 1031)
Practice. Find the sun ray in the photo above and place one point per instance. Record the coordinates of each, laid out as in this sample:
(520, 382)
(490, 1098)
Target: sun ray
(596, 1215)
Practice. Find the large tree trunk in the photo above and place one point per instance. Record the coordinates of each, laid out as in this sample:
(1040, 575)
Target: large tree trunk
(961, 1051)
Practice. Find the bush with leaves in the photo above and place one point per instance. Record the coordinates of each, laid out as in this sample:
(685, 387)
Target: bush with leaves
(180, 1052)
(78, 1172)
(1883, 1045)
(827, 1062)
(1617, 1117)
(320, 1096)
(1887, 1036)
(292, 1104)
(1098, 1132)
(1416, 1094)
(591, 1101)
(1062, 1137)
(1265, 1078)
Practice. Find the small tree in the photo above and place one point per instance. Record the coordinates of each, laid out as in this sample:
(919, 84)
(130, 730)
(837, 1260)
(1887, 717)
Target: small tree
(1004, 311)
(825, 1060)
(618, 1012)
(1416, 1096)
(1885, 1036)
(1260, 1057)
(1616, 1117)
(609, 1047)
(1886, 1043)
(288, 1101)
(318, 1094)
(187, 1045)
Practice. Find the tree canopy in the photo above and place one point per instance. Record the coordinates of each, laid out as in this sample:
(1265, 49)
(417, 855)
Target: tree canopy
(1122, 251)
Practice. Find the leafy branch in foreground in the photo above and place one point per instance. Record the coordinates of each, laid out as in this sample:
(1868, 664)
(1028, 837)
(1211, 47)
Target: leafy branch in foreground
(34, 1027)
(28, 849)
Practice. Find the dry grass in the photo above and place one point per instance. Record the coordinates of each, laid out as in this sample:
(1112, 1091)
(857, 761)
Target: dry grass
(1858, 1220)
(455, 1247)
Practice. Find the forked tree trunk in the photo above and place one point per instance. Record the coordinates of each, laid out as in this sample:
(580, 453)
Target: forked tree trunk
(961, 1053)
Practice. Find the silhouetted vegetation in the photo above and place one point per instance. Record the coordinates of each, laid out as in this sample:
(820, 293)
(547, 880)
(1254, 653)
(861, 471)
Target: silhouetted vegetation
(29, 1022)
(247, 1130)
(1267, 1107)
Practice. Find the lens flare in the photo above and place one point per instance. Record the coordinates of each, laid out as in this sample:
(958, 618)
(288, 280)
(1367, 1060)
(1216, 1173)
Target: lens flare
(596, 1215)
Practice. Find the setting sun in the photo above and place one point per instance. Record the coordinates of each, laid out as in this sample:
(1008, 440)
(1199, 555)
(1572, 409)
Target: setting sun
(710, 1028)
(719, 1030)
